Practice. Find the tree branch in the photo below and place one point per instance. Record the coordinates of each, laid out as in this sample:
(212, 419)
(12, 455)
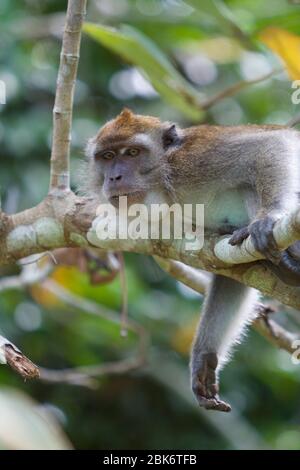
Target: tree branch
(62, 112)
(236, 88)
(71, 221)
(11, 355)
(286, 231)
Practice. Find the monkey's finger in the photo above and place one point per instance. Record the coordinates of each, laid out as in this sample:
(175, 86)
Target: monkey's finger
(208, 400)
(261, 232)
(239, 236)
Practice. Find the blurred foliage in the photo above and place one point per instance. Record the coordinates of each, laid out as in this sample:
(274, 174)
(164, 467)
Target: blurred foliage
(137, 49)
(286, 45)
(25, 425)
(181, 50)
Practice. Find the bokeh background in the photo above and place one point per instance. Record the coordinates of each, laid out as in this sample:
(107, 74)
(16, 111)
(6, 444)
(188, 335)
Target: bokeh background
(195, 50)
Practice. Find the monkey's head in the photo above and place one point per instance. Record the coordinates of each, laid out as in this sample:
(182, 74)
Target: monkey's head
(127, 157)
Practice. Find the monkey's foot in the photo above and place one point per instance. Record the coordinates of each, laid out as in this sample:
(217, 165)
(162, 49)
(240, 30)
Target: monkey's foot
(205, 385)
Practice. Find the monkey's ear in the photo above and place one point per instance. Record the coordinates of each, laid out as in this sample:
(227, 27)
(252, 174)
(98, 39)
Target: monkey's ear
(170, 137)
(126, 114)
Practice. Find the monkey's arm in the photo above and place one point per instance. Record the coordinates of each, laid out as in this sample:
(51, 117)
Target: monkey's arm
(228, 307)
(276, 182)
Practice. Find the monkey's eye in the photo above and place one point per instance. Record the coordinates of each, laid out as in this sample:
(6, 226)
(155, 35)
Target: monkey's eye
(168, 141)
(132, 152)
(107, 155)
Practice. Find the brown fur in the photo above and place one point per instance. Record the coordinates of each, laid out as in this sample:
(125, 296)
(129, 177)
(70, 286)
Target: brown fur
(248, 155)
(125, 125)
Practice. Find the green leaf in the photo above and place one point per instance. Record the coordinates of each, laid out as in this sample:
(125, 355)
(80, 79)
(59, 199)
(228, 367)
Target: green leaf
(171, 35)
(136, 48)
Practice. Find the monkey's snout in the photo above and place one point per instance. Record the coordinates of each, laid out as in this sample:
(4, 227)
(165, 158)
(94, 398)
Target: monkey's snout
(115, 178)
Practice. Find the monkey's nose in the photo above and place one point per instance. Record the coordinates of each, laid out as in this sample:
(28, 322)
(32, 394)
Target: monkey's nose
(115, 178)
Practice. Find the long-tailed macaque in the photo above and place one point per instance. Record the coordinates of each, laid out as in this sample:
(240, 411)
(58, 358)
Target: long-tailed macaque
(246, 177)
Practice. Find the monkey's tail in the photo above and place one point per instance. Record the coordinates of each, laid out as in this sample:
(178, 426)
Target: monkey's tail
(124, 289)
(288, 269)
(295, 121)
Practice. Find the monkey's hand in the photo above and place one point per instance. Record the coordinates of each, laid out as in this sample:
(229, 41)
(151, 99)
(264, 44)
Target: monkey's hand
(204, 383)
(261, 232)
(287, 263)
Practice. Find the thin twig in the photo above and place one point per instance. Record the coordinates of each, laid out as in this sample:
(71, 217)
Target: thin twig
(63, 107)
(236, 88)
(11, 355)
(36, 259)
(29, 275)
(10, 282)
(124, 290)
(85, 376)
(276, 334)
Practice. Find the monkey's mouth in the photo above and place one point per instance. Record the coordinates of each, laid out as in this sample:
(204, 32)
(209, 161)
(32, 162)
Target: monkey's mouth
(134, 197)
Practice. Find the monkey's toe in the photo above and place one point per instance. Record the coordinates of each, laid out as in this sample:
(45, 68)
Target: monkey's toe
(239, 236)
(261, 232)
(213, 404)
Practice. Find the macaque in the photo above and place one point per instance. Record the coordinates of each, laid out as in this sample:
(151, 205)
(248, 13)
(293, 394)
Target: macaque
(246, 177)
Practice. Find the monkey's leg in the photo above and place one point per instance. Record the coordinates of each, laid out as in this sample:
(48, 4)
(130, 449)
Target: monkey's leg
(229, 306)
(276, 182)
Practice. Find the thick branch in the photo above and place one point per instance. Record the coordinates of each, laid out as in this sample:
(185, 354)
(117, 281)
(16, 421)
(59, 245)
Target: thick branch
(286, 232)
(71, 221)
(62, 112)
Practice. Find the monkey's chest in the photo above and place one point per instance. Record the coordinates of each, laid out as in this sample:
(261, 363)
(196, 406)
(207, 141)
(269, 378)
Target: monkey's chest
(226, 210)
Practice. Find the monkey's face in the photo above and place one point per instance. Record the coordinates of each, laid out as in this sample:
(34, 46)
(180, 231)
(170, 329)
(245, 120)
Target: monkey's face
(128, 156)
(128, 169)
